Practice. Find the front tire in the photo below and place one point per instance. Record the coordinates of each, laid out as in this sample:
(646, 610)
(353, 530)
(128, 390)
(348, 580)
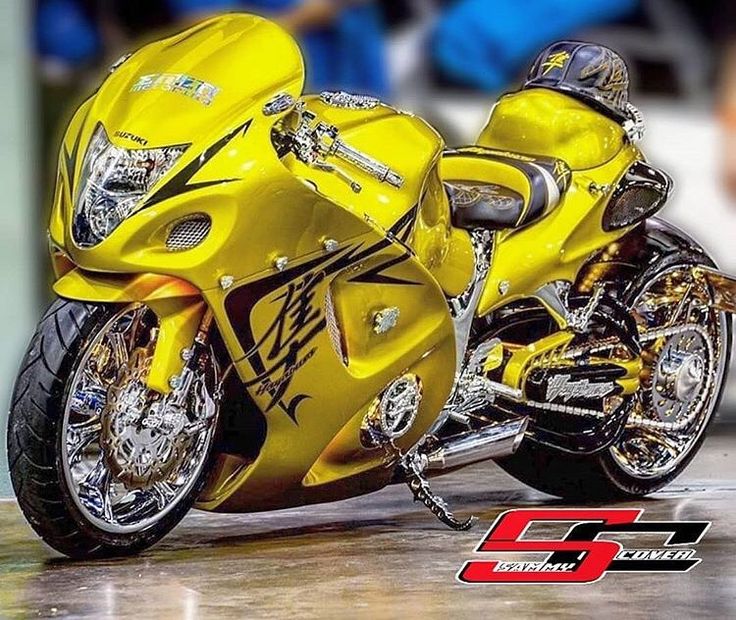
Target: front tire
(39, 444)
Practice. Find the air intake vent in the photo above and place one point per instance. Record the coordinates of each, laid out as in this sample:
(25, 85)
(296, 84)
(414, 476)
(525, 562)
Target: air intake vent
(188, 233)
(333, 329)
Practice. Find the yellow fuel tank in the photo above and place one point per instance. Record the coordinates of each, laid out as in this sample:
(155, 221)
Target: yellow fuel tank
(402, 141)
(411, 148)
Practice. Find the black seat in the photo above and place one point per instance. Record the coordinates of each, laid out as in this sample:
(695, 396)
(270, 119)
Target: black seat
(495, 201)
(484, 205)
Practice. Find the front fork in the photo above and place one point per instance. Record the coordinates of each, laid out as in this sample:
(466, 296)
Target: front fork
(181, 325)
(192, 356)
(184, 318)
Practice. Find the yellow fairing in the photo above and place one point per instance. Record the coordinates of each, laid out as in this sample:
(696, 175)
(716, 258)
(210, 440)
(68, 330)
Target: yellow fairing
(315, 385)
(302, 340)
(540, 122)
(544, 122)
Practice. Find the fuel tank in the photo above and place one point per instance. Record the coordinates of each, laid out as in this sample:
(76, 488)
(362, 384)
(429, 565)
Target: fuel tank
(404, 142)
(412, 149)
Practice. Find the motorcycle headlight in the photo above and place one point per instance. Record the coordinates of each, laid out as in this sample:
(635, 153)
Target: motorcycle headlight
(113, 182)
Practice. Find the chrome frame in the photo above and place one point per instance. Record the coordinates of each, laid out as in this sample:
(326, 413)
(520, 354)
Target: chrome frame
(463, 309)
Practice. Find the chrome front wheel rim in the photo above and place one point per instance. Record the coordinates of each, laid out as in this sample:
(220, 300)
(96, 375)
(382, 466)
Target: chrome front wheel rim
(127, 456)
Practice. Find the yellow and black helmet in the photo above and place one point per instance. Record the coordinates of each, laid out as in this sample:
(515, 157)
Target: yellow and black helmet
(592, 73)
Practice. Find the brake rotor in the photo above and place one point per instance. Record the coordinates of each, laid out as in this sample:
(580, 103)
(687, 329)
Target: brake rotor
(142, 444)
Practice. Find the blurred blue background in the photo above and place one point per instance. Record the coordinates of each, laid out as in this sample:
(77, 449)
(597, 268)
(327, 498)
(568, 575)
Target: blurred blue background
(445, 59)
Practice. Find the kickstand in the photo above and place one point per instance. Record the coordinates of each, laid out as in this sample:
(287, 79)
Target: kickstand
(414, 466)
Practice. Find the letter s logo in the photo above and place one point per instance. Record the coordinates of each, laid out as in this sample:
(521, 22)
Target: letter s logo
(591, 558)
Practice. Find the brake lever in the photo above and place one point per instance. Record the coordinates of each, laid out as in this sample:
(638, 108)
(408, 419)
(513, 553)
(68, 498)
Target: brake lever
(321, 164)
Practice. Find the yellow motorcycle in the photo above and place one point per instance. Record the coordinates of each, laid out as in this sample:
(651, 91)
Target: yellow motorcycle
(267, 299)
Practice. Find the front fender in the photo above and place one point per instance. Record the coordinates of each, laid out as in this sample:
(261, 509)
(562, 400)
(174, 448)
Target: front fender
(178, 305)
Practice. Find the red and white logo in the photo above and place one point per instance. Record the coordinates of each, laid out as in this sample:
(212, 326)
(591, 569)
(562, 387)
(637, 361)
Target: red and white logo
(586, 553)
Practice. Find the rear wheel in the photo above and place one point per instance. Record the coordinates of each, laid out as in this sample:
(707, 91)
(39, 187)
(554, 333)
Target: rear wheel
(686, 351)
(101, 465)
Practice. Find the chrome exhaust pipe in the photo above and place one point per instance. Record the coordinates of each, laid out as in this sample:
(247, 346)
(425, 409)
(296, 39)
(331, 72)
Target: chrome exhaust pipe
(491, 442)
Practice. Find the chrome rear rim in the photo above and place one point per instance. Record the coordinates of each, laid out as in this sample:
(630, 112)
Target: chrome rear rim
(684, 368)
(128, 456)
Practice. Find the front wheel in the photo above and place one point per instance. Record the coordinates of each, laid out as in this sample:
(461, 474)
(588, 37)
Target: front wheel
(101, 465)
(686, 348)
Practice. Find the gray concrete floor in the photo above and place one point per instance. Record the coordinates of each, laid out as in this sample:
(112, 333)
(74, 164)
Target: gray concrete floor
(378, 556)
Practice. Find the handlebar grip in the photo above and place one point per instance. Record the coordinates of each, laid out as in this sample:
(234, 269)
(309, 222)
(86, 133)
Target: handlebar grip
(367, 164)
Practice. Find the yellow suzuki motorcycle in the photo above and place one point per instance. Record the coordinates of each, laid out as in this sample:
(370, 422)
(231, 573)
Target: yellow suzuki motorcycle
(267, 299)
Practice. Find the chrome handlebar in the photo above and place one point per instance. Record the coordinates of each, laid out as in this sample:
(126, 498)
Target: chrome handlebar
(366, 163)
(313, 140)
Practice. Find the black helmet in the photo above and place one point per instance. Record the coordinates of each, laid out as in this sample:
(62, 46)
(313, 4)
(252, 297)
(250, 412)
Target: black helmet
(593, 73)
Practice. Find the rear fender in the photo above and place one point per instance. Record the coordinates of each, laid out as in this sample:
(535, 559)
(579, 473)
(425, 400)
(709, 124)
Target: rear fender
(178, 305)
(644, 250)
(723, 287)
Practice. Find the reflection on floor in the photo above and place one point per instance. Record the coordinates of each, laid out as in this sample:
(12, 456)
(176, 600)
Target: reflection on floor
(376, 556)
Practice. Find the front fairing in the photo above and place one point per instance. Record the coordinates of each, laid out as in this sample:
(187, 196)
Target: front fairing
(205, 88)
(274, 322)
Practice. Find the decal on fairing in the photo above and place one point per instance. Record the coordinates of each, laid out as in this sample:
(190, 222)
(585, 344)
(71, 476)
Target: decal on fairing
(179, 184)
(199, 90)
(70, 159)
(127, 135)
(286, 344)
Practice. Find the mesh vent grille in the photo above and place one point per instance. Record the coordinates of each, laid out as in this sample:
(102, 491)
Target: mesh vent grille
(333, 329)
(631, 206)
(188, 233)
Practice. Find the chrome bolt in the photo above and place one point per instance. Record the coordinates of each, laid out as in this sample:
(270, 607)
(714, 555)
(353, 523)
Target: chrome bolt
(280, 262)
(186, 354)
(278, 104)
(226, 282)
(504, 286)
(175, 382)
(330, 245)
(385, 320)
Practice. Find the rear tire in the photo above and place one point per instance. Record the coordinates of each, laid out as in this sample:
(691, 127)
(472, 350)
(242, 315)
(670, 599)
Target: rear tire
(600, 476)
(35, 438)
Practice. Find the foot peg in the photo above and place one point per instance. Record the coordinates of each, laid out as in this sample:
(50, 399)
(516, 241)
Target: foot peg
(414, 465)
